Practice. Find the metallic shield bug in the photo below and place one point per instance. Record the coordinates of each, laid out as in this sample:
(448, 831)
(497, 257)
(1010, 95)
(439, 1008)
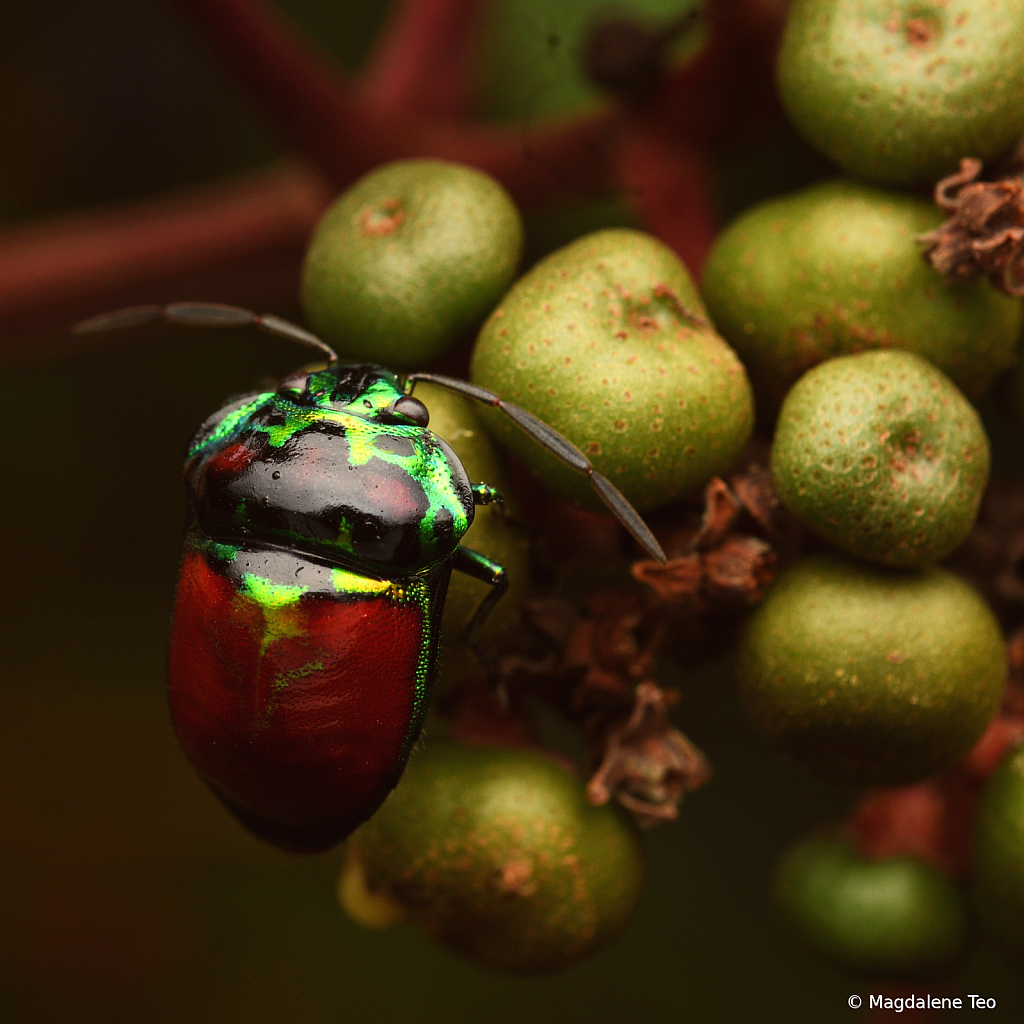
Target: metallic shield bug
(324, 522)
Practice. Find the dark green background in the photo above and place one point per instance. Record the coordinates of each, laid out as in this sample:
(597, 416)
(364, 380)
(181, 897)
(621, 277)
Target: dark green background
(126, 893)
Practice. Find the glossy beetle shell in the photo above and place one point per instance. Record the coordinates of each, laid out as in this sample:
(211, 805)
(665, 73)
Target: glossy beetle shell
(305, 630)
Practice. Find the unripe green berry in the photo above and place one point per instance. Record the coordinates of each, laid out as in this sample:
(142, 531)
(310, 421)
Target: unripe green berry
(881, 454)
(414, 255)
(998, 874)
(871, 675)
(608, 341)
(899, 90)
(836, 269)
(893, 918)
(497, 853)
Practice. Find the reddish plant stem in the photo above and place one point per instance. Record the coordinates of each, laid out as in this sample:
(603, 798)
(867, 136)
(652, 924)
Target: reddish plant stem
(729, 87)
(307, 96)
(421, 63)
(931, 821)
(664, 159)
(345, 134)
(668, 184)
(47, 266)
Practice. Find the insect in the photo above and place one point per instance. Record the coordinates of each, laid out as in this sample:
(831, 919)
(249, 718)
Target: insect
(324, 522)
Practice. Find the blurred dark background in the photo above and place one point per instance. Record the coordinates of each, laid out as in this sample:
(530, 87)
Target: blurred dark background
(127, 894)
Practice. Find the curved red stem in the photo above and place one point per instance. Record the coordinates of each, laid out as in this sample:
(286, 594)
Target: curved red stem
(345, 132)
(421, 63)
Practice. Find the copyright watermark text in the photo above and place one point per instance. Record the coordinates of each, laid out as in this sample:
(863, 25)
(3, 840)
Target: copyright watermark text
(925, 1002)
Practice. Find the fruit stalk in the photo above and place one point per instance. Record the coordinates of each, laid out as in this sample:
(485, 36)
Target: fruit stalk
(421, 62)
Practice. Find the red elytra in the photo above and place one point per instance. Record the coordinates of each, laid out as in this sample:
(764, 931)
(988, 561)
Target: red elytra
(298, 717)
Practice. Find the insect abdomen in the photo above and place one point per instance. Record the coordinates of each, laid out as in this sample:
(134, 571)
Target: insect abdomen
(298, 688)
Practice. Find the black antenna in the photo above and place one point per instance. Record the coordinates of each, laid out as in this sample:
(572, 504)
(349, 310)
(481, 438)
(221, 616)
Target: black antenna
(203, 314)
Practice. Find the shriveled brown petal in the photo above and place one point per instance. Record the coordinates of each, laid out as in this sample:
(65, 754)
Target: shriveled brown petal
(602, 688)
(995, 251)
(742, 566)
(617, 644)
(647, 764)
(609, 634)
(578, 651)
(677, 581)
(947, 189)
(757, 495)
(985, 230)
(721, 507)
(948, 249)
(980, 204)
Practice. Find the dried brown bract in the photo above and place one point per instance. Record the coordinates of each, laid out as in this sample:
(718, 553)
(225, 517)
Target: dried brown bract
(595, 665)
(754, 490)
(719, 566)
(614, 646)
(739, 567)
(647, 764)
(596, 662)
(985, 230)
(642, 760)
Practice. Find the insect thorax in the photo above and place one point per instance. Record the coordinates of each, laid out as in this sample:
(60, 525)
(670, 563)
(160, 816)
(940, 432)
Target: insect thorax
(325, 465)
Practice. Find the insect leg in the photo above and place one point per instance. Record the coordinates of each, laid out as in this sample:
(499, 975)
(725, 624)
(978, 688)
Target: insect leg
(559, 446)
(472, 563)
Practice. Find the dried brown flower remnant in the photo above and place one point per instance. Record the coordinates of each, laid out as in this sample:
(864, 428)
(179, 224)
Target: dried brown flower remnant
(721, 567)
(985, 230)
(595, 663)
(615, 645)
(646, 764)
(596, 669)
(740, 567)
(643, 761)
(678, 581)
(721, 507)
(756, 495)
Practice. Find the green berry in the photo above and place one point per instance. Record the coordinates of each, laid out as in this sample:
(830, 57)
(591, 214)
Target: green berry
(835, 269)
(497, 853)
(899, 90)
(998, 875)
(893, 918)
(871, 675)
(414, 255)
(608, 341)
(881, 454)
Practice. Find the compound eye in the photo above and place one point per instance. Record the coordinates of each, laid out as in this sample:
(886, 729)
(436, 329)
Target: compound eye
(294, 382)
(412, 409)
